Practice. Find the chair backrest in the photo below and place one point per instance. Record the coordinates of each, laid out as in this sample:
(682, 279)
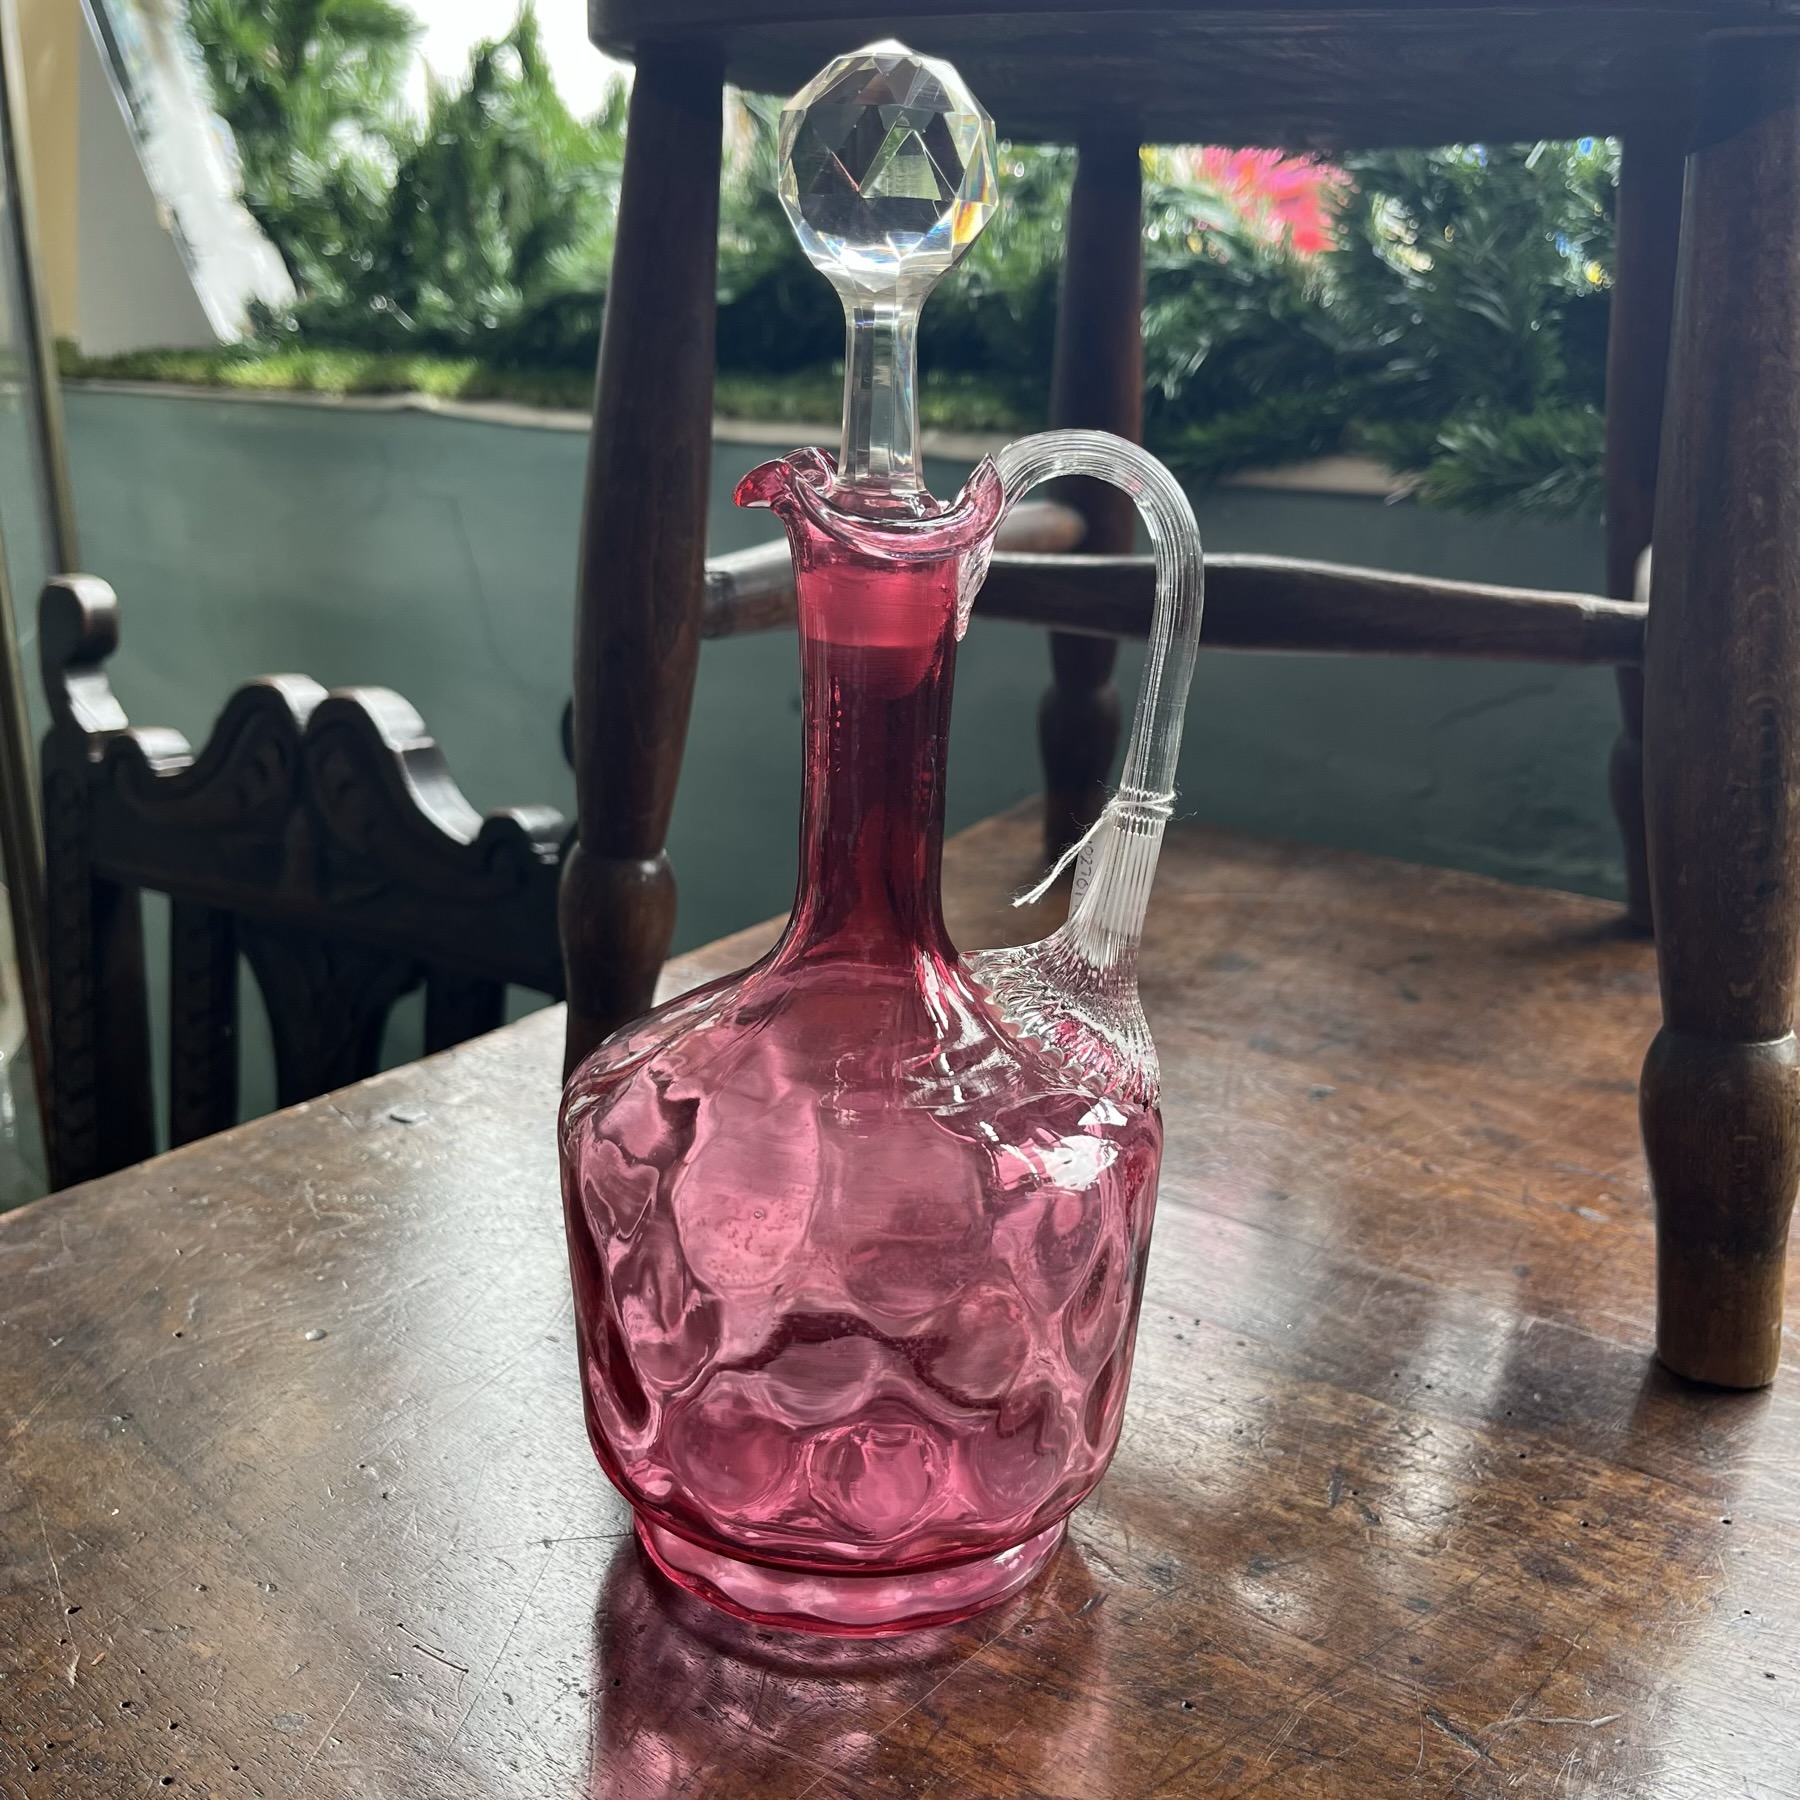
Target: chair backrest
(319, 836)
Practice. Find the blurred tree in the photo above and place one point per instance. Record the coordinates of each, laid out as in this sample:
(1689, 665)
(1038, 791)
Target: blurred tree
(311, 90)
(1454, 326)
(1444, 310)
(485, 228)
(1468, 265)
(497, 226)
(1484, 274)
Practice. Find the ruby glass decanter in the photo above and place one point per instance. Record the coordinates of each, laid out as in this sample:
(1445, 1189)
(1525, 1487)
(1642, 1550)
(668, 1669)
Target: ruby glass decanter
(858, 1234)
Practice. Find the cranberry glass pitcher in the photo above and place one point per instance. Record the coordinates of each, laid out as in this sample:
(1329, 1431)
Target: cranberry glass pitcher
(858, 1235)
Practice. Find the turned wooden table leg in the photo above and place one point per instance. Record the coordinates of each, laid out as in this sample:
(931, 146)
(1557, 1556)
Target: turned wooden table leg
(1637, 363)
(1720, 1099)
(643, 544)
(1097, 383)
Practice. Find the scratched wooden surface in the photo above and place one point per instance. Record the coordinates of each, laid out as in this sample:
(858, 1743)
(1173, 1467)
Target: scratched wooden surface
(1296, 74)
(295, 1498)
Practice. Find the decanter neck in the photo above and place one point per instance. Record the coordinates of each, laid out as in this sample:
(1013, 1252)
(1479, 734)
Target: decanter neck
(883, 597)
(878, 652)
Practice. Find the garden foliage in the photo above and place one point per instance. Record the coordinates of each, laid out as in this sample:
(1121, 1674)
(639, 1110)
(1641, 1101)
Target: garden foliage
(1444, 310)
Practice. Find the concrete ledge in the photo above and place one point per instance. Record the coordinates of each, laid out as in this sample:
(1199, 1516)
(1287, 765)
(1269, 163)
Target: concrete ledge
(1357, 476)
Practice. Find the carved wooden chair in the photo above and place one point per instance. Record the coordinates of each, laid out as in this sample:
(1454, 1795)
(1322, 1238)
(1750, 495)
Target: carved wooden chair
(319, 836)
(1709, 730)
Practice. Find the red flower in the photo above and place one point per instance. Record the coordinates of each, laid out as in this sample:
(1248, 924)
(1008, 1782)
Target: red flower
(1284, 199)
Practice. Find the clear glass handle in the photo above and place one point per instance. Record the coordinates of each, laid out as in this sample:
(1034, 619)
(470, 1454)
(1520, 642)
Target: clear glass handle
(1078, 987)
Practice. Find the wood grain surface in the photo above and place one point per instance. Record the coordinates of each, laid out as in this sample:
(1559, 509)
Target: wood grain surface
(320, 837)
(1721, 1086)
(642, 567)
(1252, 603)
(1296, 74)
(295, 1498)
(1637, 365)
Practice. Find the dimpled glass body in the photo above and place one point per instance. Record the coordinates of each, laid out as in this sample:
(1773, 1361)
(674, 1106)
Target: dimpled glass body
(857, 1264)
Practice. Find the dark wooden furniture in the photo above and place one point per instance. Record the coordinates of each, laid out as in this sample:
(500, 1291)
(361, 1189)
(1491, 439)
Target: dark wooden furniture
(319, 836)
(1252, 603)
(296, 1499)
(1709, 727)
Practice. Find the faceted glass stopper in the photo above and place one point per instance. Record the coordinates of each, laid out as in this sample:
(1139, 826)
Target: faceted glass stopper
(887, 169)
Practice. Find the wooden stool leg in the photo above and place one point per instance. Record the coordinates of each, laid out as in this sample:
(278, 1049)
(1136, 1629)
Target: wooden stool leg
(1097, 383)
(1720, 1096)
(643, 544)
(1637, 363)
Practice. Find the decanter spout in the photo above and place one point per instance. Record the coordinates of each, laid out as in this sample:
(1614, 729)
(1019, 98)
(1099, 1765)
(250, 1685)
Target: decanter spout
(1077, 989)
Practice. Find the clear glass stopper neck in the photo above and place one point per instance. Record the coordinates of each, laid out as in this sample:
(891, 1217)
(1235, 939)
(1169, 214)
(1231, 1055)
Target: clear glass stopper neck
(879, 455)
(887, 174)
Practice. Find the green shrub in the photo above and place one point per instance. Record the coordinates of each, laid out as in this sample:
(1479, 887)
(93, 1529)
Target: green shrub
(1455, 327)
(311, 90)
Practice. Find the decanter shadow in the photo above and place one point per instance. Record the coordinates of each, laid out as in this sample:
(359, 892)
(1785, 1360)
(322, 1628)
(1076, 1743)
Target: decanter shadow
(690, 1700)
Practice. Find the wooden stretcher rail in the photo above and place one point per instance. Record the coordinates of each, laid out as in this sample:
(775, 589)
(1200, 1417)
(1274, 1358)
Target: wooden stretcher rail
(1278, 603)
(1252, 603)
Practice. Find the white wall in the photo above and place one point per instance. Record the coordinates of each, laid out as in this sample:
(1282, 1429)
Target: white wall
(50, 39)
(135, 292)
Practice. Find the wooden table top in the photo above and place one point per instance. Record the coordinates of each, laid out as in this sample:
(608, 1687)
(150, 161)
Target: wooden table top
(296, 1500)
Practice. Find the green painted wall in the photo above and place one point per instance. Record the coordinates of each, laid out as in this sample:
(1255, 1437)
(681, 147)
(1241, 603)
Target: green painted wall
(437, 556)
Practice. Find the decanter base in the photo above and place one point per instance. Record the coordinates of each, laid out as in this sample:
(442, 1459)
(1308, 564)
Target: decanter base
(871, 1605)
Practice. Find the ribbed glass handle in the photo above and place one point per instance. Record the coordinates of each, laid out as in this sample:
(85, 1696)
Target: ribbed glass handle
(1116, 861)
(1078, 987)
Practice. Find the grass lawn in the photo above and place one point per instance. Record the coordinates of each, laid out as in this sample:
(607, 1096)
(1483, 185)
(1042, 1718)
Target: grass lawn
(955, 403)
